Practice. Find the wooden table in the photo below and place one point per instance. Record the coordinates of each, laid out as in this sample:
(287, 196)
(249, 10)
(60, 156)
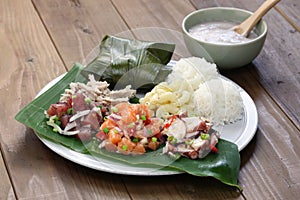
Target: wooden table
(41, 39)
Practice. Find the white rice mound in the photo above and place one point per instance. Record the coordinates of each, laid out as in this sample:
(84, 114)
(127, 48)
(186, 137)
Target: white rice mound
(218, 100)
(194, 70)
(196, 87)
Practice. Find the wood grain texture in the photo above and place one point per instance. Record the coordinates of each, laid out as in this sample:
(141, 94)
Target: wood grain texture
(41, 38)
(145, 13)
(178, 187)
(156, 21)
(6, 188)
(28, 56)
(290, 10)
(270, 170)
(77, 27)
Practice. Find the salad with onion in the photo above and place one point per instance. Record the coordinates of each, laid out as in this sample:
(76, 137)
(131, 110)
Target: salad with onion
(92, 110)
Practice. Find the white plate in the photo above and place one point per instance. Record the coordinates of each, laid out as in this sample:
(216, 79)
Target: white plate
(239, 133)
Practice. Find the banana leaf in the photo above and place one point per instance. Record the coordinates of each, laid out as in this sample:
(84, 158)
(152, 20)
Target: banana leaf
(122, 62)
(223, 166)
(33, 115)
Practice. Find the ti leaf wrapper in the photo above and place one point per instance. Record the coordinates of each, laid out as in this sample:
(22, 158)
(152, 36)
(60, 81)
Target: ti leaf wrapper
(223, 166)
(122, 62)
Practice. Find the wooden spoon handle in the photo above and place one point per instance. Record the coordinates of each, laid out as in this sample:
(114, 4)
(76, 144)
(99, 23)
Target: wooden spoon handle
(246, 26)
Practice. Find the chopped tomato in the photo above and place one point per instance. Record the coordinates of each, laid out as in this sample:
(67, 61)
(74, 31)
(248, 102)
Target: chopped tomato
(58, 109)
(203, 126)
(169, 123)
(214, 149)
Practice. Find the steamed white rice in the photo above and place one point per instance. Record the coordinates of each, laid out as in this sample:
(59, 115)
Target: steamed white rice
(196, 87)
(218, 100)
(194, 70)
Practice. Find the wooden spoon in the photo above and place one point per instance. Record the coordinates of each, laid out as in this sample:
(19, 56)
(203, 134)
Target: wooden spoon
(246, 26)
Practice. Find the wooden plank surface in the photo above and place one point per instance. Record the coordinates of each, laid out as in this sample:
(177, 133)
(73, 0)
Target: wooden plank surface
(145, 13)
(269, 170)
(77, 27)
(267, 160)
(290, 10)
(6, 188)
(28, 55)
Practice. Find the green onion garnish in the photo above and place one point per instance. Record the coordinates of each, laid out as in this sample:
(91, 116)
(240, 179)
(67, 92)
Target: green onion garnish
(106, 130)
(189, 142)
(114, 109)
(130, 125)
(172, 139)
(124, 147)
(70, 111)
(87, 100)
(58, 122)
(55, 118)
(116, 131)
(154, 139)
(143, 117)
(205, 136)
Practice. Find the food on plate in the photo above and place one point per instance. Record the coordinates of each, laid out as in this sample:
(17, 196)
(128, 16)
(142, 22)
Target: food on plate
(89, 116)
(169, 115)
(82, 108)
(194, 71)
(175, 95)
(195, 86)
(91, 110)
(130, 129)
(189, 136)
(219, 100)
(123, 61)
